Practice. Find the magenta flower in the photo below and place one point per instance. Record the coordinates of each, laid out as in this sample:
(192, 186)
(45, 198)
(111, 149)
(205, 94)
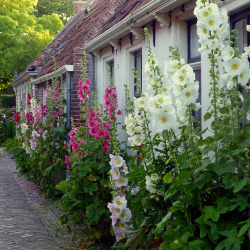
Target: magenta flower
(105, 149)
(101, 133)
(85, 87)
(53, 114)
(92, 124)
(106, 143)
(119, 112)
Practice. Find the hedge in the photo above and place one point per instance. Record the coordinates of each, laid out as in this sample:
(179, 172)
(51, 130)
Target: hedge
(7, 101)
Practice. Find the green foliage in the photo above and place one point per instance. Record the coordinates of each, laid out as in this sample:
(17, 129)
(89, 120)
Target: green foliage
(7, 101)
(19, 31)
(63, 8)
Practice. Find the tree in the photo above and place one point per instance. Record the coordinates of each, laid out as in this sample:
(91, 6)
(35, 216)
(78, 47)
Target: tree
(63, 8)
(22, 35)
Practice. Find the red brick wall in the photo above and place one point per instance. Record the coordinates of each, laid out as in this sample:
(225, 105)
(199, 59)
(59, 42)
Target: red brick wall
(75, 101)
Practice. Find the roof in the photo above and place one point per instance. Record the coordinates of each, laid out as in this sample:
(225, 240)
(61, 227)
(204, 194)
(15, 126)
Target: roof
(95, 17)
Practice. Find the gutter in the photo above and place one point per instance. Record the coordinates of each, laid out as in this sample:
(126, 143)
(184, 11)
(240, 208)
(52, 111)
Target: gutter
(58, 72)
(137, 19)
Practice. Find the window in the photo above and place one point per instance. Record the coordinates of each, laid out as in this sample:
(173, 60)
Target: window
(138, 67)
(194, 59)
(239, 21)
(110, 72)
(193, 44)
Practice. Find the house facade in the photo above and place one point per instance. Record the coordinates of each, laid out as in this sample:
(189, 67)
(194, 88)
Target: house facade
(115, 42)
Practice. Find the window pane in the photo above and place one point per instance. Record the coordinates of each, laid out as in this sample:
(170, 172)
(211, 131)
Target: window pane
(194, 44)
(240, 26)
(138, 66)
(197, 114)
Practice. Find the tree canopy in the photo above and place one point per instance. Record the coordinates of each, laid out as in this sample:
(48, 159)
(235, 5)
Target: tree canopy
(23, 35)
(63, 8)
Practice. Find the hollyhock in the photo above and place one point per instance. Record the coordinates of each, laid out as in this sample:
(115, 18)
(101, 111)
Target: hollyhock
(105, 149)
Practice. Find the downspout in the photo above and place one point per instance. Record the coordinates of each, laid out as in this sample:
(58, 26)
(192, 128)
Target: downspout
(68, 102)
(91, 75)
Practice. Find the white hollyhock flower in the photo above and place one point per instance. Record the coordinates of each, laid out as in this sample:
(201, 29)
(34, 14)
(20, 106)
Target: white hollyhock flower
(121, 182)
(227, 53)
(164, 121)
(189, 95)
(213, 22)
(141, 102)
(154, 177)
(169, 108)
(116, 161)
(202, 32)
(247, 50)
(126, 215)
(202, 50)
(179, 78)
(138, 129)
(154, 107)
(197, 106)
(137, 139)
(171, 66)
(244, 77)
(248, 28)
(177, 90)
(130, 130)
(248, 115)
(162, 99)
(115, 173)
(120, 202)
(233, 67)
(24, 127)
(129, 120)
(139, 119)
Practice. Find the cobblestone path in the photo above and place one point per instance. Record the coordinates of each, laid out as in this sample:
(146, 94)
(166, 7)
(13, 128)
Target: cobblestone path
(21, 226)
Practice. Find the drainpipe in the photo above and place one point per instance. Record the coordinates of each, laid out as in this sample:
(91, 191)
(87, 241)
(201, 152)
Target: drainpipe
(68, 101)
(91, 75)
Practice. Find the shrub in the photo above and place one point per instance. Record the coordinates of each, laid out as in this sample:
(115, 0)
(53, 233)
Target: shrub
(7, 101)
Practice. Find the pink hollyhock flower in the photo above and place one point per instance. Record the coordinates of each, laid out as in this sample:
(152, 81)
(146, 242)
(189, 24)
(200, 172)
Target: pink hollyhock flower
(92, 124)
(85, 87)
(28, 99)
(93, 131)
(53, 114)
(60, 112)
(56, 90)
(119, 112)
(138, 158)
(88, 81)
(75, 147)
(108, 91)
(106, 143)
(111, 117)
(105, 149)
(92, 115)
(101, 133)
(106, 125)
(57, 83)
(68, 167)
(108, 135)
(67, 160)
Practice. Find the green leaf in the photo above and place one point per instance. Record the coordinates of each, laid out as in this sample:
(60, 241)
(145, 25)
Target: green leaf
(207, 116)
(181, 158)
(208, 149)
(47, 171)
(196, 244)
(224, 110)
(229, 180)
(185, 237)
(211, 213)
(168, 178)
(160, 226)
(202, 180)
(244, 228)
(177, 244)
(203, 166)
(177, 205)
(204, 230)
(222, 168)
(240, 184)
(237, 151)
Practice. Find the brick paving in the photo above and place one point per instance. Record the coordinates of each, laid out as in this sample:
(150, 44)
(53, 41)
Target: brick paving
(28, 221)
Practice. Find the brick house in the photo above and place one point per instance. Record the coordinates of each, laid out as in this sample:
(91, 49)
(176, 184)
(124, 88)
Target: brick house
(111, 31)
